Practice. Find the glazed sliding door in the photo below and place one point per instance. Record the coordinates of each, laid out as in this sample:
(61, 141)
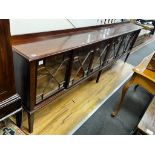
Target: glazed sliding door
(125, 43)
(130, 41)
(51, 73)
(100, 55)
(113, 49)
(81, 64)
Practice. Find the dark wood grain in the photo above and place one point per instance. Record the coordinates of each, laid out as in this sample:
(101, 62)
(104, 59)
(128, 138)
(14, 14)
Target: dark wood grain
(10, 102)
(32, 37)
(7, 84)
(61, 43)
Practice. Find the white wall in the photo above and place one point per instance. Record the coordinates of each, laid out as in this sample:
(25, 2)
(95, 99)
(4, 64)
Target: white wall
(24, 26)
(84, 22)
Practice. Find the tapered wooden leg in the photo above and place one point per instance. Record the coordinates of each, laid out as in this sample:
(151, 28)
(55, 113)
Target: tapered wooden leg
(136, 86)
(98, 76)
(127, 57)
(30, 122)
(19, 117)
(125, 89)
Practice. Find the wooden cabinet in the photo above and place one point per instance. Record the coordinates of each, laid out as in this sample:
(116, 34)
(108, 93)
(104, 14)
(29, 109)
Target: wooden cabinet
(10, 102)
(49, 64)
(51, 76)
(7, 85)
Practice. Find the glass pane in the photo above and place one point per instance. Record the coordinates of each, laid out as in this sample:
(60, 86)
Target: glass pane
(127, 42)
(124, 44)
(131, 38)
(99, 55)
(51, 76)
(115, 45)
(80, 65)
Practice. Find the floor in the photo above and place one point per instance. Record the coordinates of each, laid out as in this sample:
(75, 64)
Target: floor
(135, 104)
(8, 127)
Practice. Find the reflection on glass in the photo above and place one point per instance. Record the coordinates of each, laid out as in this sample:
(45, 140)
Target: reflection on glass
(99, 56)
(2, 76)
(130, 41)
(80, 65)
(124, 44)
(114, 47)
(117, 46)
(50, 76)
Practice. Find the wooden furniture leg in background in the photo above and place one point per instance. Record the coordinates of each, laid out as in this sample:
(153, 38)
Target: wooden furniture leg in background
(126, 58)
(19, 118)
(19, 115)
(136, 86)
(30, 122)
(125, 89)
(98, 76)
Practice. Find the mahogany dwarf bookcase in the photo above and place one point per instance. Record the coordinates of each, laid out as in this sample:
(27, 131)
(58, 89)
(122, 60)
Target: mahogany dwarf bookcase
(48, 64)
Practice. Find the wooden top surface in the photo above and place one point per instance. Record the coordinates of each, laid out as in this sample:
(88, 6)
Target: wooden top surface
(142, 68)
(61, 43)
(147, 124)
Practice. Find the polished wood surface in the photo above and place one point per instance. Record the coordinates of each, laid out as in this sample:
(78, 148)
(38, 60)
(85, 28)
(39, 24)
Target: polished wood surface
(64, 114)
(10, 102)
(143, 70)
(151, 65)
(32, 37)
(61, 43)
(142, 77)
(147, 123)
(7, 83)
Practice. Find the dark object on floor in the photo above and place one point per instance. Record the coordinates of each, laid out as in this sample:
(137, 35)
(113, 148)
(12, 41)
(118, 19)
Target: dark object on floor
(9, 128)
(8, 131)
